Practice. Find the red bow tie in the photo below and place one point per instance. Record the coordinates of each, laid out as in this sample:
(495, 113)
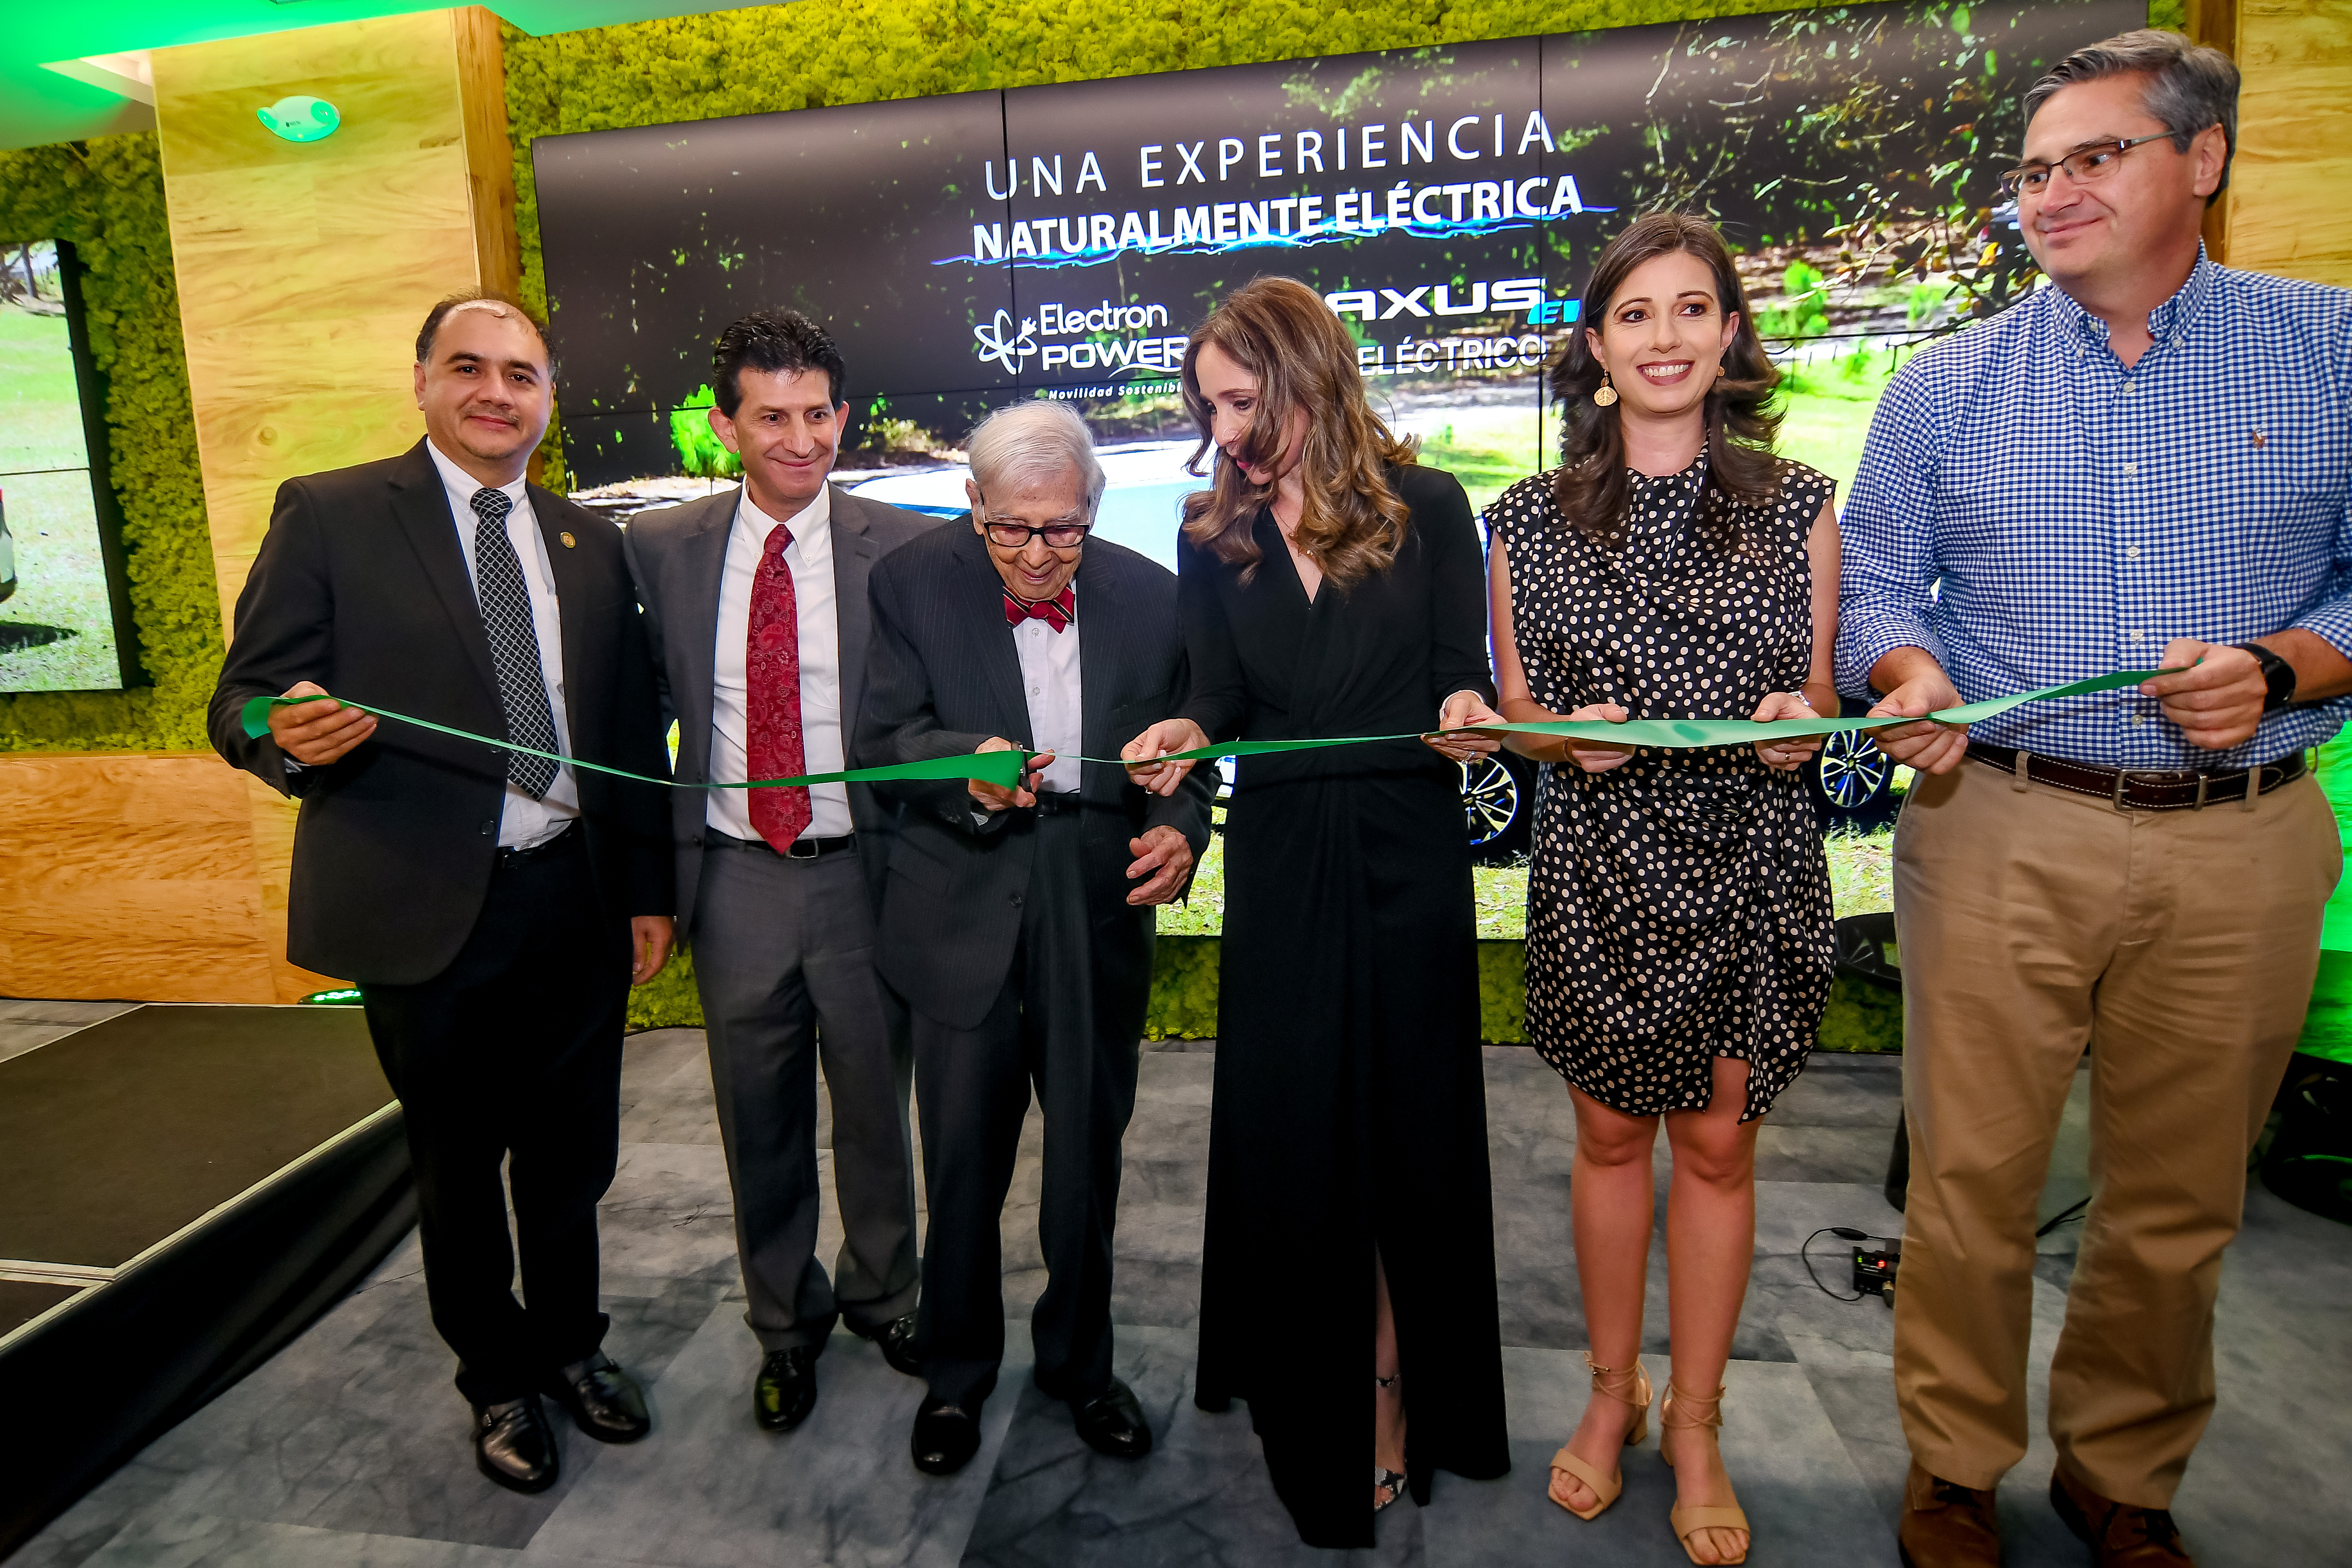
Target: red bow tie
(1056, 612)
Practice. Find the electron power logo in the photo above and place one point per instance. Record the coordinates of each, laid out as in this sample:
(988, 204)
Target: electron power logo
(1119, 340)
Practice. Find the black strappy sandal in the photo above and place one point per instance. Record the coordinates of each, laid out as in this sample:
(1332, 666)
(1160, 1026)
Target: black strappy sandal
(1389, 1483)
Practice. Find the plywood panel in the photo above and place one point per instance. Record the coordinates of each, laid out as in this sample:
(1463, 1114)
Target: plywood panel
(133, 877)
(305, 268)
(2288, 211)
(304, 272)
(489, 163)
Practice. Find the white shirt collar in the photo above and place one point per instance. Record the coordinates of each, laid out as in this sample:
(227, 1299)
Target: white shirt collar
(811, 526)
(462, 485)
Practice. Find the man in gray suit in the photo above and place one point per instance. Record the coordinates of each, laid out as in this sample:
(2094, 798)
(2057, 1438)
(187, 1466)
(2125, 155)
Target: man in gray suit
(1017, 923)
(755, 602)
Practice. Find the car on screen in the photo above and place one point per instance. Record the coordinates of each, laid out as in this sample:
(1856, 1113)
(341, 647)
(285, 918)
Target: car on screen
(1144, 487)
(1144, 484)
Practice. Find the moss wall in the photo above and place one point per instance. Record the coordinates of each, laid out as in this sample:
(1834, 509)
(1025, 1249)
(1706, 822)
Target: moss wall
(106, 195)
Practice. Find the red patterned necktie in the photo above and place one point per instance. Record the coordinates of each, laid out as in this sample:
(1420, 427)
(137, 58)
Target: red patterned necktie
(1055, 612)
(772, 697)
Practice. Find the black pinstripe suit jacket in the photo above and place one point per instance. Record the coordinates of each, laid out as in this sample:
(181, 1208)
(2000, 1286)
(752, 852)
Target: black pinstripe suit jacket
(942, 676)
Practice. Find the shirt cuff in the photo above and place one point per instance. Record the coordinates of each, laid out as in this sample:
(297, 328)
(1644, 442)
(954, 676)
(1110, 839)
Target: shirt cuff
(2331, 623)
(1870, 637)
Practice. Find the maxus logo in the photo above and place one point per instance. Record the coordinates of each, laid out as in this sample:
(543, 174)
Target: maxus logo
(1440, 300)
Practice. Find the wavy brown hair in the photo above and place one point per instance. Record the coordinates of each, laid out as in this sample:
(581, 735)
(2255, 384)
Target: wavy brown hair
(1741, 423)
(1353, 522)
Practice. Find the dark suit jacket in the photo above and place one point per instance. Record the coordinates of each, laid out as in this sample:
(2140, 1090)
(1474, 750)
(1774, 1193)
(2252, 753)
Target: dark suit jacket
(943, 677)
(361, 586)
(678, 556)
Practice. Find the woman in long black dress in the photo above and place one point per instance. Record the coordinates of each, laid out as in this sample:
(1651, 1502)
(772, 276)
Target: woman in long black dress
(1678, 904)
(1330, 586)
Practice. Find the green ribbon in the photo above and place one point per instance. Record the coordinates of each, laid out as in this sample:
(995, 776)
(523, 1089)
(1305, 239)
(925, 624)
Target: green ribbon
(1687, 733)
(1000, 768)
(1004, 769)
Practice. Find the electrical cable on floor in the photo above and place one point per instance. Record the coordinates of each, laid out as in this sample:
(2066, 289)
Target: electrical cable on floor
(2072, 1211)
(1843, 1233)
(1884, 1278)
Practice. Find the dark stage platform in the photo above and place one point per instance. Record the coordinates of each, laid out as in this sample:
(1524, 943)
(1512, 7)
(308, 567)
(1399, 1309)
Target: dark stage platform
(181, 1190)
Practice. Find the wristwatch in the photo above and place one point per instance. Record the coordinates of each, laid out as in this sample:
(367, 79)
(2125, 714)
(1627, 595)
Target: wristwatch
(2277, 674)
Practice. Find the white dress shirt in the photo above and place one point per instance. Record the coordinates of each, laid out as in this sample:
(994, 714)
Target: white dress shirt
(1049, 679)
(810, 558)
(522, 821)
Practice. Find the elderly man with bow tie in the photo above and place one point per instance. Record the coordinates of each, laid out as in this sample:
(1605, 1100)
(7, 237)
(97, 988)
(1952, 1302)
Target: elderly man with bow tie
(1017, 923)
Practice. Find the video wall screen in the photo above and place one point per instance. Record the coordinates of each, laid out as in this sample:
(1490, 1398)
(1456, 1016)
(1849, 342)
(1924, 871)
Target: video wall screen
(62, 608)
(1448, 202)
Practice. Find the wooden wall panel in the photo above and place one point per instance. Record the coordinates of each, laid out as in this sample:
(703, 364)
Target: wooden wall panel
(2287, 212)
(303, 271)
(132, 878)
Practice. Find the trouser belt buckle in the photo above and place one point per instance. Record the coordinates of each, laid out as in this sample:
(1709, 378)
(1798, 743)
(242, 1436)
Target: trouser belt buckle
(801, 849)
(2123, 779)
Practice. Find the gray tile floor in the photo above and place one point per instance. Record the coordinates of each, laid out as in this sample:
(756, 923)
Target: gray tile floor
(350, 1447)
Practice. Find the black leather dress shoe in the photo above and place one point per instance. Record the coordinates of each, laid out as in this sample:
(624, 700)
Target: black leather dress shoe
(785, 1391)
(604, 1402)
(946, 1438)
(514, 1446)
(1112, 1422)
(896, 1339)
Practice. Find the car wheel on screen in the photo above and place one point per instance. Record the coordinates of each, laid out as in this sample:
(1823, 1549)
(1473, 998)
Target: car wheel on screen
(1498, 802)
(1852, 781)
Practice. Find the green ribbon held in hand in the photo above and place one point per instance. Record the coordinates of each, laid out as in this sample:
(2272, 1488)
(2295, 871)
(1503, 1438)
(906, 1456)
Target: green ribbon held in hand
(1004, 769)
(1687, 733)
(1000, 768)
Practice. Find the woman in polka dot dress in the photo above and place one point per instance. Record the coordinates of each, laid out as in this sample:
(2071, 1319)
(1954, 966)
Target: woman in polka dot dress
(1679, 945)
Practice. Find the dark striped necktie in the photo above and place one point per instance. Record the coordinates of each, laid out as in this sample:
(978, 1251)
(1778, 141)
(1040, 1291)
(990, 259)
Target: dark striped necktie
(505, 601)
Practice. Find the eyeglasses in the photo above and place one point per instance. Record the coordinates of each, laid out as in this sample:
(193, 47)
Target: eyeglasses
(1017, 535)
(2082, 166)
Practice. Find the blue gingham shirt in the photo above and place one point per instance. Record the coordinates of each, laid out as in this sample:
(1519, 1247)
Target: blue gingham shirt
(2030, 513)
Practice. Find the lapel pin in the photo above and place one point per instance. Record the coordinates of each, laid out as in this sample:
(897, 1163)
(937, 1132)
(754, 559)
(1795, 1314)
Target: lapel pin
(569, 542)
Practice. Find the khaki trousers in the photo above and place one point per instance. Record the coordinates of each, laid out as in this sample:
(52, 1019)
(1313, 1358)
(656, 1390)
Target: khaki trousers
(2179, 948)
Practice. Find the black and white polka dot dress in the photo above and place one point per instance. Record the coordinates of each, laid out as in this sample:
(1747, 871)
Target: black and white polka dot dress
(1678, 906)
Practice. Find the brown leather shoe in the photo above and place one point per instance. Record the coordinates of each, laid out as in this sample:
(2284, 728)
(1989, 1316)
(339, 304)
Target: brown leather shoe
(2120, 1535)
(1947, 1525)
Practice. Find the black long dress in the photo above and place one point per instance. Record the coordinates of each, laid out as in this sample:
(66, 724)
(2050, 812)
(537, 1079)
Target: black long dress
(1351, 1107)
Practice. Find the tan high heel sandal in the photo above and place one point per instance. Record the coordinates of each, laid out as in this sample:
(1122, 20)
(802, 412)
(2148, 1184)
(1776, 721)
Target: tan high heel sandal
(1689, 1521)
(1607, 1487)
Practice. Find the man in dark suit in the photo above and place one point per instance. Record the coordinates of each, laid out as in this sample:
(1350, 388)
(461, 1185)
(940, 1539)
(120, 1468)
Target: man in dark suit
(1017, 923)
(755, 600)
(492, 907)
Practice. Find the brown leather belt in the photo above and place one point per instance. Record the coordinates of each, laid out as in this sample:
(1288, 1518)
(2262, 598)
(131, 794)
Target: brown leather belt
(2136, 789)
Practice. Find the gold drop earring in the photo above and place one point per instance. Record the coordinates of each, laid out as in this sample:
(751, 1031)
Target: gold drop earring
(1605, 395)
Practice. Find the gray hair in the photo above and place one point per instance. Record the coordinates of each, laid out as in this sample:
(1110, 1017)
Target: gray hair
(1036, 440)
(2189, 87)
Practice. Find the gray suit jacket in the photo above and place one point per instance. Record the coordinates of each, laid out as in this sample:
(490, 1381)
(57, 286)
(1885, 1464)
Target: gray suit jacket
(678, 555)
(944, 675)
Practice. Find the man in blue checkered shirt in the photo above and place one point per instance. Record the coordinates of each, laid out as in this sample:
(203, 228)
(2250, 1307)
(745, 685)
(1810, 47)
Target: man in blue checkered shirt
(2141, 465)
